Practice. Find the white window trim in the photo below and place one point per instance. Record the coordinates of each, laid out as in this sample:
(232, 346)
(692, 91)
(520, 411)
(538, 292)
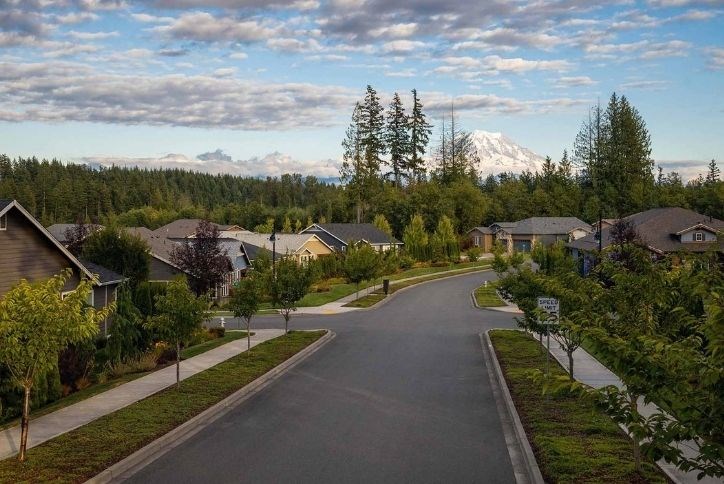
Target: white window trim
(4, 222)
(698, 236)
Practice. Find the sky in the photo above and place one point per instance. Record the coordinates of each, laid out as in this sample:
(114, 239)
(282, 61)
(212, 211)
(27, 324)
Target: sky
(264, 87)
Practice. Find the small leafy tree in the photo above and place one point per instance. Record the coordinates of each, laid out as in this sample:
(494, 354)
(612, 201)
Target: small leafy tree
(119, 251)
(381, 223)
(36, 323)
(245, 299)
(416, 239)
(180, 314)
(203, 257)
(361, 263)
(445, 241)
(291, 284)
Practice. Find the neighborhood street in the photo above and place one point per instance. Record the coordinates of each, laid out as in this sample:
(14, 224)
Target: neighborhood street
(400, 395)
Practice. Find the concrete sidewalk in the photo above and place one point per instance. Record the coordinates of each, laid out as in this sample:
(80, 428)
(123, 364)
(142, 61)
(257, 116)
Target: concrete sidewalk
(73, 416)
(590, 371)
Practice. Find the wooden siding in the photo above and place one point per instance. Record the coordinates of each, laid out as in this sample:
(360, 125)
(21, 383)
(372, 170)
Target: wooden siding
(160, 271)
(25, 253)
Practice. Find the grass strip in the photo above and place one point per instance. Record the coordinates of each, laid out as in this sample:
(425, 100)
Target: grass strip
(81, 454)
(378, 295)
(573, 441)
(487, 297)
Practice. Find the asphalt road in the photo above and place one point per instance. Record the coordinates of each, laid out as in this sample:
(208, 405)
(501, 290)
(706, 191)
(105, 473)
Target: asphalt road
(400, 395)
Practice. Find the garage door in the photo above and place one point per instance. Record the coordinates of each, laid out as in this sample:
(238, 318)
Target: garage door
(521, 245)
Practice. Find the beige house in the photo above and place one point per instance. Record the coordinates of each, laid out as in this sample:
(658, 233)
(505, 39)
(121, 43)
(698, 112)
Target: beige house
(302, 247)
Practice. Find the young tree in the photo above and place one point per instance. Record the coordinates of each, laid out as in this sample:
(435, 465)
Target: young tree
(203, 257)
(381, 223)
(180, 314)
(291, 284)
(119, 251)
(397, 139)
(355, 172)
(420, 131)
(445, 240)
(416, 239)
(36, 323)
(361, 263)
(75, 235)
(245, 299)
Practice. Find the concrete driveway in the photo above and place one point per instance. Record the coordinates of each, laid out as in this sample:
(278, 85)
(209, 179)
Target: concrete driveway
(400, 395)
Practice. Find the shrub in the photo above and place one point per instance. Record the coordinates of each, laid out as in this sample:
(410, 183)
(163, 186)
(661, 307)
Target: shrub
(474, 254)
(217, 332)
(74, 364)
(164, 353)
(406, 262)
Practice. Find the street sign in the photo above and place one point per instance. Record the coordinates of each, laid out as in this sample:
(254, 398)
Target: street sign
(550, 305)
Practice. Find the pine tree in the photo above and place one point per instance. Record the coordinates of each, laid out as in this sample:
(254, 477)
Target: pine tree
(372, 131)
(354, 173)
(397, 139)
(713, 176)
(420, 131)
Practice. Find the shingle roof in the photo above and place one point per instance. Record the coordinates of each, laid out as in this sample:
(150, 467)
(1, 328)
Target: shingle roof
(185, 227)
(482, 230)
(657, 228)
(104, 275)
(4, 202)
(59, 230)
(547, 226)
(159, 246)
(285, 243)
(343, 233)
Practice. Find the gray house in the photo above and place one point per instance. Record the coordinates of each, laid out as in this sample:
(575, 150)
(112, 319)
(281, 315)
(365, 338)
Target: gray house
(523, 234)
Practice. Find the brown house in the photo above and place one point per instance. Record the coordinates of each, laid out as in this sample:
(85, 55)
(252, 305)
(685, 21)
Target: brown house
(482, 237)
(30, 252)
(161, 269)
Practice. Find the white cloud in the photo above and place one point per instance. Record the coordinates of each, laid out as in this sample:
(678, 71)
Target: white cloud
(402, 46)
(204, 27)
(239, 55)
(576, 81)
(92, 35)
(650, 85)
(716, 57)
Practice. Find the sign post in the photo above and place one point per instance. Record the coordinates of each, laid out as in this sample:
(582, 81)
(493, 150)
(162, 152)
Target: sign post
(550, 306)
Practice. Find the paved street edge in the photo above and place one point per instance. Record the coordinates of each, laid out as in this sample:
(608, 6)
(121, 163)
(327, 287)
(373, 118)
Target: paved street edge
(521, 454)
(149, 453)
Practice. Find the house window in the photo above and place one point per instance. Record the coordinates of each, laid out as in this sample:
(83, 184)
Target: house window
(4, 222)
(699, 236)
(476, 241)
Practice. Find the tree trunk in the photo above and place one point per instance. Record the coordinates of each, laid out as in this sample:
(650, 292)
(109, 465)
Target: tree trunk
(286, 323)
(178, 364)
(248, 335)
(634, 439)
(540, 339)
(570, 363)
(24, 424)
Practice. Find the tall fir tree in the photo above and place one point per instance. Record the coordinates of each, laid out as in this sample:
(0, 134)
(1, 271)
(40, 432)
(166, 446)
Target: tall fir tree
(372, 130)
(354, 171)
(420, 131)
(397, 138)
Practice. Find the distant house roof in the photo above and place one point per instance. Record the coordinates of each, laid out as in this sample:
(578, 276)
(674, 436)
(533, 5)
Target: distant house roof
(186, 227)
(547, 226)
(285, 243)
(4, 202)
(659, 229)
(504, 225)
(339, 234)
(104, 275)
(59, 230)
(482, 230)
(160, 247)
(235, 252)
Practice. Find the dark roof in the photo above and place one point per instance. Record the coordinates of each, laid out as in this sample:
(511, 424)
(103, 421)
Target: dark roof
(59, 230)
(160, 247)
(547, 226)
(186, 227)
(252, 250)
(504, 225)
(482, 230)
(104, 275)
(658, 228)
(343, 233)
(4, 202)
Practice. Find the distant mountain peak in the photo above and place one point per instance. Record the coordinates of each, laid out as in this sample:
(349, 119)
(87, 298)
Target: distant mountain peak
(498, 154)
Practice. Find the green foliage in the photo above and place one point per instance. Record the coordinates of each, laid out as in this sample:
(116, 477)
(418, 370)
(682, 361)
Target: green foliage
(416, 239)
(444, 242)
(144, 297)
(361, 263)
(381, 223)
(290, 285)
(245, 299)
(128, 337)
(119, 251)
(474, 254)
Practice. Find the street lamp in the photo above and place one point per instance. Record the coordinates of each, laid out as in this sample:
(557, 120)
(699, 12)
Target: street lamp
(273, 240)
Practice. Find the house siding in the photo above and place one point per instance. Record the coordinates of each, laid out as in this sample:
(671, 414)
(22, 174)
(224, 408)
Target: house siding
(689, 236)
(160, 271)
(26, 254)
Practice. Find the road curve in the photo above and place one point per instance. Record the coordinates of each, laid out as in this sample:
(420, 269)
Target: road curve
(400, 395)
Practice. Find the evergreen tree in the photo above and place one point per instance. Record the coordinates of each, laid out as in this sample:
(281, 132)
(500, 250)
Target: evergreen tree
(713, 176)
(416, 239)
(397, 139)
(420, 131)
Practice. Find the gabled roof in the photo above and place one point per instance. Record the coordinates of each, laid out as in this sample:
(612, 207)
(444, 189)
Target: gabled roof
(548, 226)
(104, 275)
(160, 247)
(7, 205)
(659, 229)
(59, 230)
(186, 227)
(482, 230)
(285, 243)
(342, 233)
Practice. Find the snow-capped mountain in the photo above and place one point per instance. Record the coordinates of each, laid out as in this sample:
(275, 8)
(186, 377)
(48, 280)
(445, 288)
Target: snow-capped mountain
(498, 153)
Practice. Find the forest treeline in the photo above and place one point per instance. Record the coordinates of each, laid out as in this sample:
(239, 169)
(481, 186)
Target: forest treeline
(609, 173)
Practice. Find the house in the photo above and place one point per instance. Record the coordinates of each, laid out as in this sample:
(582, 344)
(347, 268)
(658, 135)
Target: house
(30, 252)
(161, 269)
(523, 234)
(604, 223)
(338, 235)
(662, 231)
(186, 228)
(302, 247)
(59, 231)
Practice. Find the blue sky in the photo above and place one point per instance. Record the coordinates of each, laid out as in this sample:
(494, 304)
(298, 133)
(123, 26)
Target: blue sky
(271, 84)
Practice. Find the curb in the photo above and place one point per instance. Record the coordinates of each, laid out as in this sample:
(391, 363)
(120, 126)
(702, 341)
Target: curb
(521, 454)
(385, 300)
(125, 468)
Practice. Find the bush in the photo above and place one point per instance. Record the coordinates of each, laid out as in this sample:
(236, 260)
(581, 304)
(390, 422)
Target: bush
(139, 364)
(474, 254)
(74, 364)
(217, 332)
(201, 336)
(406, 262)
(164, 353)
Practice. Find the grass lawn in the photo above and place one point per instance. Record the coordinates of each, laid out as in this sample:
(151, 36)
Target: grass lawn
(486, 297)
(97, 388)
(81, 454)
(573, 441)
(228, 337)
(377, 296)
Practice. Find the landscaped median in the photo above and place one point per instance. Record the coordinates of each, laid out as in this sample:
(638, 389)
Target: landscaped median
(82, 453)
(573, 441)
(486, 296)
(378, 295)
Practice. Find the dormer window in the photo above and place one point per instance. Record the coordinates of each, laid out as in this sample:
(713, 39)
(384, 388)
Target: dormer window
(4, 222)
(698, 236)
